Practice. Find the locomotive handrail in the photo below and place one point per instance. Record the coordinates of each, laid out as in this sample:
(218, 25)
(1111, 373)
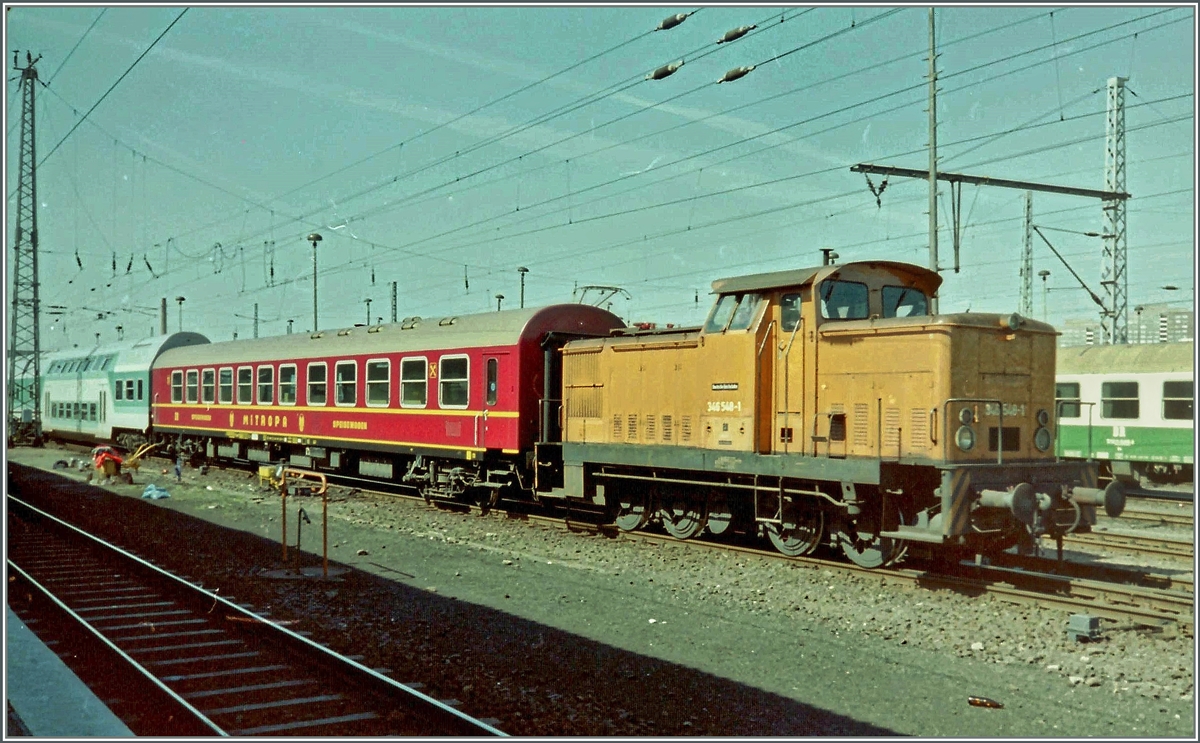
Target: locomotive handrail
(1000, 430)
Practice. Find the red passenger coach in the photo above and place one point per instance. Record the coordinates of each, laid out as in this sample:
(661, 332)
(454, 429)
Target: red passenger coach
(448, 405)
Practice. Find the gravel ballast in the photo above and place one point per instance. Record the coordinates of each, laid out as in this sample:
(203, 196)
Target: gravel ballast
(554, 633)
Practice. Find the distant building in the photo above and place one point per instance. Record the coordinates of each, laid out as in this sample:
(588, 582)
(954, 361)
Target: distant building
(1156, 323)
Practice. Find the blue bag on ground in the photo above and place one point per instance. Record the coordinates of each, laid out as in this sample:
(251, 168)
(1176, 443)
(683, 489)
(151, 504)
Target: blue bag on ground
(154, 492)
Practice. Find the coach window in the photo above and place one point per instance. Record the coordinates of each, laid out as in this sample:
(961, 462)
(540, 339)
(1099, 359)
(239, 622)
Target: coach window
(176, 387)
(193, 385)
(904, 301)
(119, 390)
(1177, 401)
(1119, 400)
(141, 389)
(317, 374)
(287, 384)
(128, 389)
(379, 380)
(346, 382)
(74, 411)
(245, 385)
(843, 300)
(1066, 399)
(225, 386)
(413, 376)
(493, 380)
(208, 386)
(266, 384)
(454, 390)
(91, 411)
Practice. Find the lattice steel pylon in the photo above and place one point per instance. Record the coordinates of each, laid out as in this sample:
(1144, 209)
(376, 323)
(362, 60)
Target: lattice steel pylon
(1026, 270)
(24, 346)
(1113, 275)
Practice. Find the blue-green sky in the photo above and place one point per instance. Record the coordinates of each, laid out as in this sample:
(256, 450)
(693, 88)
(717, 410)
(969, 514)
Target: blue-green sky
(229, 142)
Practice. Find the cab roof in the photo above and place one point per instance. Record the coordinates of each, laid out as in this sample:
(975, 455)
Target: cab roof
(922, 277)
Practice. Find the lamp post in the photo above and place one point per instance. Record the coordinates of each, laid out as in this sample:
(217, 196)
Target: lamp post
(522, 270)
(499, 299)
(1045, 293)
(314, 238)
(1139, 309)
(180, 300)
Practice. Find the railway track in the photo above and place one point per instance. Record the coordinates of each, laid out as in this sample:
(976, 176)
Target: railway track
(1169, 603)
(1182, 518)
(183, 661)
(1137, 544)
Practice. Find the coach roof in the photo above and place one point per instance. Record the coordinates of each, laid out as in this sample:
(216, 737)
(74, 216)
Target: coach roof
(489, 329)
(1125, 358)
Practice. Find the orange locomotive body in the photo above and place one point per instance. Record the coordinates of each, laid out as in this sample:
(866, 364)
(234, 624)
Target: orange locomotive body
(826, 406)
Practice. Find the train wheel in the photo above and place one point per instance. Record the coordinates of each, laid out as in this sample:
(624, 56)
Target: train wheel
(632, 511)
(865, 548)
(799, 538)
(720, 515)
(682, 517)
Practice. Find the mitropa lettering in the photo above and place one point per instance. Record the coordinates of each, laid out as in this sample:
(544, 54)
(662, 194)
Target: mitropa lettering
(354, 425)
(264, 421)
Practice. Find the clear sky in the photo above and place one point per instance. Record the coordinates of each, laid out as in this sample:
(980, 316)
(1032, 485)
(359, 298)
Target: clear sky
(445, 146)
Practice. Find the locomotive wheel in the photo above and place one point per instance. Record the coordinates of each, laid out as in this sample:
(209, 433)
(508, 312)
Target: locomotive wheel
(682, 517)
(865, 548)
(720, 515)
(632, 513)
(799, 538)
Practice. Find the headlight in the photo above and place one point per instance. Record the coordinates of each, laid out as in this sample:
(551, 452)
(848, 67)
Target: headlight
(1042, 438)
(1043, 418)
(966, 417)
(965, 438)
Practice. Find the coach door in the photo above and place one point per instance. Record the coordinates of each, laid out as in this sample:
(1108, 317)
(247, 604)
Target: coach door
(789, 345)
(490, 396)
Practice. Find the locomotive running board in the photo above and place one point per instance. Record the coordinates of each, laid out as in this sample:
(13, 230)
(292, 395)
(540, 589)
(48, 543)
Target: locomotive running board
(914, 534)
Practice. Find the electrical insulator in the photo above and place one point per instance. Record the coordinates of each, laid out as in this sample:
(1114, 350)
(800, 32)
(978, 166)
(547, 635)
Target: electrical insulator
(672, 21)
(735, 34)
(665, 71)
(735, 73)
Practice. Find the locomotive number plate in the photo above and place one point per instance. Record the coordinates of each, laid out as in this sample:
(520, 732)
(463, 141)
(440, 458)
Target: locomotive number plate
(724, 406)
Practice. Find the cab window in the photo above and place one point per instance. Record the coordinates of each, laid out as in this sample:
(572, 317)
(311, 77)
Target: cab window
(733, 312)
(721, 312)
(843, 300)
(746, 311)
(789, 312)
(904, 301)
